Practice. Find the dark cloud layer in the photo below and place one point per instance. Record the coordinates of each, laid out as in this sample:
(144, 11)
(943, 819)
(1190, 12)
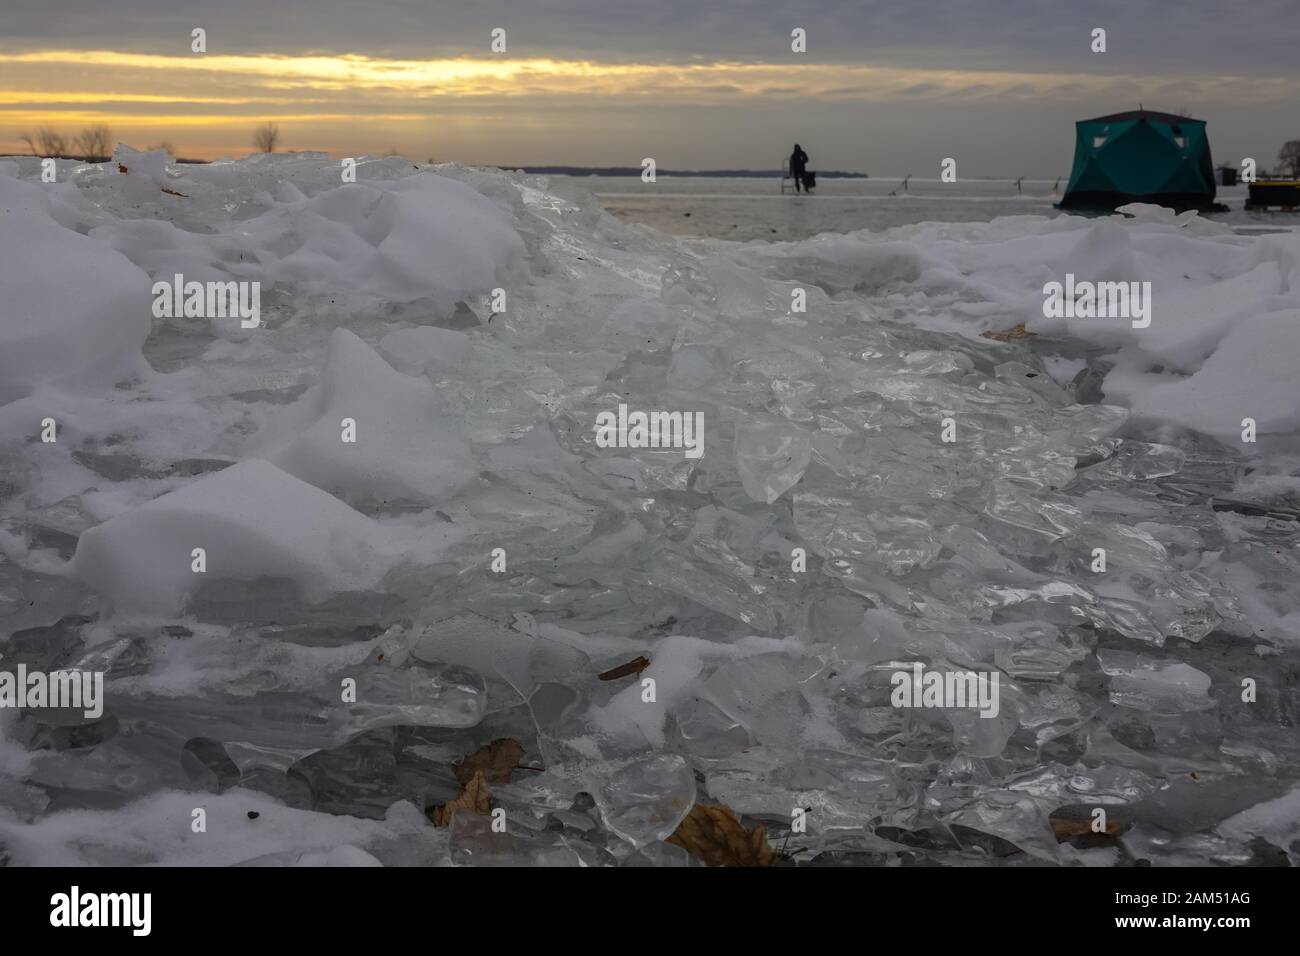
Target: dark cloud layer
(1143, 35)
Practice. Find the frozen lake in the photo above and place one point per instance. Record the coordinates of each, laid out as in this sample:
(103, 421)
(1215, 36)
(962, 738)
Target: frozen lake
(745, 209)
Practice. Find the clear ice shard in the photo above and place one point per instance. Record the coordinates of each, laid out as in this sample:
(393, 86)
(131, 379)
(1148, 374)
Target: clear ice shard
(419, 696)
(644, 801)
(771, 456)
(1156, 686)
(844, 791)
(762, 693)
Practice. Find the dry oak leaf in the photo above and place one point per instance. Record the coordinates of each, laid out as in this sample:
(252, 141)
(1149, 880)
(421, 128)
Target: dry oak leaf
(1009, 335)
(475, 797)
(713, 834)
(1068, 829)
(494, 761)
(634, 666)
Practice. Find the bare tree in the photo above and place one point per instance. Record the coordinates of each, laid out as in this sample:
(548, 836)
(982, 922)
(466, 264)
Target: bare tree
(47, 142)
(266, 137)
(1288, 158)
(95, 142)
(165, 144)
(52, 142)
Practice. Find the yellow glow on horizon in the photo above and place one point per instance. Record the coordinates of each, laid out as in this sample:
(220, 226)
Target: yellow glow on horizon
(12, 98)
(145, 120)
(348, 97)
(342, 70)
(531, 76)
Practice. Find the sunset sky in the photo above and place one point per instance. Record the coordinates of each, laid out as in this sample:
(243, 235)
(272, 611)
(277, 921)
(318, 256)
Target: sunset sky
(885, 87)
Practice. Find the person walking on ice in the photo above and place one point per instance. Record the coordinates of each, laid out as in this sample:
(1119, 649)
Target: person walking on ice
(798, 166)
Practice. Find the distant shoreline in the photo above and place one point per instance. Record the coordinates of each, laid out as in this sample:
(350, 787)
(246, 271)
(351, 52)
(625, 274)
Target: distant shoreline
(580, 171)
(683, 173)
(614, 171)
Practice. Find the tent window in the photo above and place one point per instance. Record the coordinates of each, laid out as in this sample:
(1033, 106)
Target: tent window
(1099, 141)
(1181, 141)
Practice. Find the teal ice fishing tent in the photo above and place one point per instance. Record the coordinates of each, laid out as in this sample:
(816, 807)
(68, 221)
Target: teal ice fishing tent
(1141, 156)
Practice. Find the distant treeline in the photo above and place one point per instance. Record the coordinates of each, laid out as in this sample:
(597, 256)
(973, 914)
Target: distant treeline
(97, 159)
(710, 173)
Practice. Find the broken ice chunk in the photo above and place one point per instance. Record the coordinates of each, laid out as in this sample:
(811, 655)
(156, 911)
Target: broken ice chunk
(728, 591)
(843, 527)
(75, 309)
(474, 841)
(1156, 686)
(706, 731)
(1144, 461)
(646, 800)
(1048, 518)
(429, 696)
(762, 693)
(1274, 821)
(369, 433)
(250, 521)
(474, 642)
(771, 456)
(425, 349)
(1128, 618)
(838, 790)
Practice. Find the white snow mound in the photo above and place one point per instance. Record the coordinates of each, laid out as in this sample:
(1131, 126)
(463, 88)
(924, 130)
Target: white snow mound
(425, 236)
(73, 309)
(407, 447)
(252, 520)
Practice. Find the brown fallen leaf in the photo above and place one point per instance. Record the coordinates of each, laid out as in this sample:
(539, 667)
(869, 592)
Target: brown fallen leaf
(623, 670)
(1009, 335)
(1069, 829)
(494, 762)
(713, 834)
(122, 169)
(474, 797)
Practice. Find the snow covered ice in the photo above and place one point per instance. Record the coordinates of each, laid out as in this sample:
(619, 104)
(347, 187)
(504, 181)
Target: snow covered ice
(880, 485)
